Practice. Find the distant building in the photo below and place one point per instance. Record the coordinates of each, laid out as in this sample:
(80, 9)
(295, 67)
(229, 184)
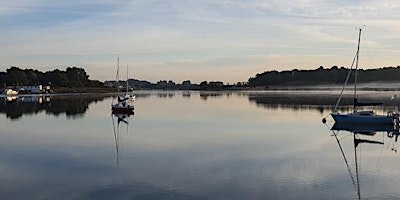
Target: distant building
(122, 84)
(33, 89)
(110, 83)
(216, 84)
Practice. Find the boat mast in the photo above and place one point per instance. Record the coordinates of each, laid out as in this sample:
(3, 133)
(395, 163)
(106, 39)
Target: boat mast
(127, 79)
(117, 77)
(355, 74)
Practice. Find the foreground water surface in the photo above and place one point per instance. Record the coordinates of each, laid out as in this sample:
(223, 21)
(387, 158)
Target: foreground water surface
(192, 145)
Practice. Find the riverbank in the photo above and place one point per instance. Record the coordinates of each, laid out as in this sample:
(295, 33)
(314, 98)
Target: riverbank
(360, 87)
(82, 90)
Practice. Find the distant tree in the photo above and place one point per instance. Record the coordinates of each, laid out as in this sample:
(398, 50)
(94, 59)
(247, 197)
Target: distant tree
(72, 77)
(139, 84)
(203, 83)
(334, 75)
(187, 82)
(77, 77)
(34, 76)
(16, 76)
(56, 78)
(3, 76)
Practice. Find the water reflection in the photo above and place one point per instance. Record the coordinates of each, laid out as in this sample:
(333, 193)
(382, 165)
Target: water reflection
(207, 94)
(120, 121)
(77, 105)
(72, 105)
(188, 148)
(362, 134)
(186, 94)
(166, 94)
(321, 101)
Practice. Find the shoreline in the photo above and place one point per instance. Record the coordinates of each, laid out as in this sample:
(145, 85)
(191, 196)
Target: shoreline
(285, 89)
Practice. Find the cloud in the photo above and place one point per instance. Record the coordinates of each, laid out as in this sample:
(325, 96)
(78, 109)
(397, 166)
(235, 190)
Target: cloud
(11, 7)
(62, 33)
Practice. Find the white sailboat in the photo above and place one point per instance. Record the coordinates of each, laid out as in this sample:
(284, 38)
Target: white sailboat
(123, 104)
(364, 116)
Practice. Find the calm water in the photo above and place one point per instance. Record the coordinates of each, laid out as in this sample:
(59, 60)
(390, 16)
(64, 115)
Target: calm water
(190, 145)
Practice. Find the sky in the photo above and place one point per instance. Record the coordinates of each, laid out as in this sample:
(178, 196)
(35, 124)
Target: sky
(197, 40)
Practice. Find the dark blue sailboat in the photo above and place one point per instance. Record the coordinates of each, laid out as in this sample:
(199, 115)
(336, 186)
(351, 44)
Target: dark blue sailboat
(360, 117)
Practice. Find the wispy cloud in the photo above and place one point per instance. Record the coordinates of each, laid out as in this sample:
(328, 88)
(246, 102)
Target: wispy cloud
(160, 35)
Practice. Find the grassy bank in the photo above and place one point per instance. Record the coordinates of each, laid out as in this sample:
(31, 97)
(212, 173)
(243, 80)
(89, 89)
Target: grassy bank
(82, 90)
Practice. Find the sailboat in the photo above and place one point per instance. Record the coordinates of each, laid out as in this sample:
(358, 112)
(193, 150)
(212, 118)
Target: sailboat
(364, 116)
(123, 104)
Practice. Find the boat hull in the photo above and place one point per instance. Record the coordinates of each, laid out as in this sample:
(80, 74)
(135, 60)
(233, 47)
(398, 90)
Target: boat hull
(122, 110)
(362, 119)
(366, 129)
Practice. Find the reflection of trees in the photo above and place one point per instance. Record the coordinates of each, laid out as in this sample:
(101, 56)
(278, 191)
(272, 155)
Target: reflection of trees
(71, 105)
(15, 109)
(293, 102)
(206, 95)
(296, 100)
(165, 94)
(186, 94)
(320, 102)
(142, 94)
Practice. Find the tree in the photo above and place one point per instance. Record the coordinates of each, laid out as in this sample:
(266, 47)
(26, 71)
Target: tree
(77, 76)
(56, 78)
(16, 76)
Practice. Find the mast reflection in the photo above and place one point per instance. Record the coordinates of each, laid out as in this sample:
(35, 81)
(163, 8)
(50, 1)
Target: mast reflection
(120, 121)
(362, 134)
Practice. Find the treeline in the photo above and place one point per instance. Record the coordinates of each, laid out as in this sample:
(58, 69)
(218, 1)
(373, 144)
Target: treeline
(185, 85)
(71, 77)
(77, 77)
(333, 75)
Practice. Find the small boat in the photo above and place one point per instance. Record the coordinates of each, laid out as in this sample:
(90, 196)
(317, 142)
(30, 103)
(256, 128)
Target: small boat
(124, 102)
(360, 117)
(10, 92)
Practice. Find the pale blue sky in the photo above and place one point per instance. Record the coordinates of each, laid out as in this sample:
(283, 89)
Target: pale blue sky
(228, 40)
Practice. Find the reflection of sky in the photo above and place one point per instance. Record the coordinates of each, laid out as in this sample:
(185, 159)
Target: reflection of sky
(186, 148)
